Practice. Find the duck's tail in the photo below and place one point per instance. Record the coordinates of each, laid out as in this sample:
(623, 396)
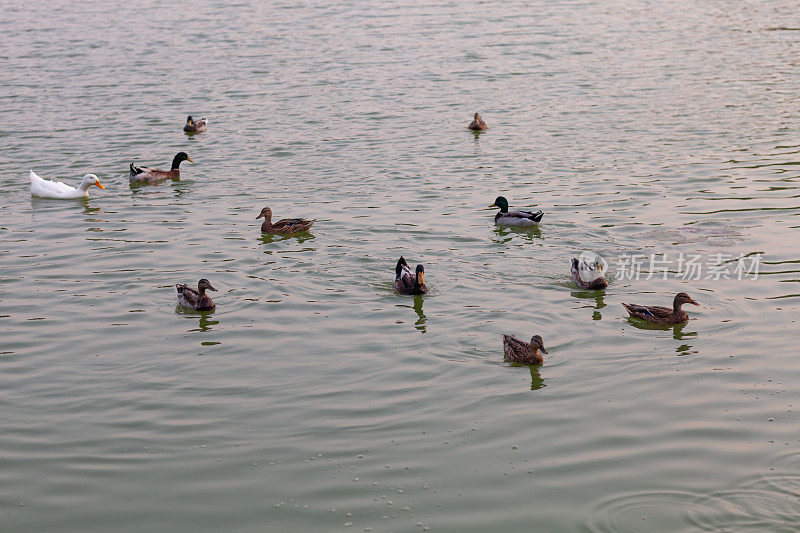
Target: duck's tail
(398, 269)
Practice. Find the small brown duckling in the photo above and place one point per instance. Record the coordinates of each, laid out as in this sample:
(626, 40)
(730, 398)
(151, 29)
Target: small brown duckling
(195, 126)
(407, 283)
(517, 351)
(196, 299)
(662, 315)
(286, 225)
(477, 123)
(145, 174)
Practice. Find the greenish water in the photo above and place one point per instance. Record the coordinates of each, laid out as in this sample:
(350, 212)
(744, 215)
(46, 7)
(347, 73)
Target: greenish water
(314, 398)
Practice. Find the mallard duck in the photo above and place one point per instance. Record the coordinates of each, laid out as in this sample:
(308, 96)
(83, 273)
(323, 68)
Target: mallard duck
(145, 174)
(517, 351)
(286, 225)
(514, 218)
(406, 282)
(193, 126)
(477, 123)
(195, 299)
(588, 275)
(55, 189)
(662, 315)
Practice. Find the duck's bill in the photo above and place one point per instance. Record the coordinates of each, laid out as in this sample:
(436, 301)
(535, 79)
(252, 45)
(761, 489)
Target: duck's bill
(493, 205)
(691, 301)
(543, 350)
(99, 185)
(189, 159)
(421, 278)
(259, 216)
(212, 288)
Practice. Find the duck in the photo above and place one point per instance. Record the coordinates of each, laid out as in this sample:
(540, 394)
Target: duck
(195, 299)
(477, 123)
(514, 218)
(518, 351)
(588, 275)
(662, 315)
(150, 175)
(55, 189)
(406, 282)
(286, 225)
(195, 126)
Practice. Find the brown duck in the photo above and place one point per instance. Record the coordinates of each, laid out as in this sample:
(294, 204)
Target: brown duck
(517, 351)
(286, 225)
(196, 299)
(477, 123)
(150, 175)
(406, 282)
(195, 126)
(662, 315)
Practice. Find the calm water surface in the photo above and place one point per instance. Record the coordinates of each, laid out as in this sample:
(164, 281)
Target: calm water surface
(315, 398)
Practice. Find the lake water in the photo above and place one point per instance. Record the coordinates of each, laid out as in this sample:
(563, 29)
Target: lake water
(316, 399)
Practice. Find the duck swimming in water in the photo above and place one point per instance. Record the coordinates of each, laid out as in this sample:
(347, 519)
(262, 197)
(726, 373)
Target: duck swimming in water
(195, 126)
(514, 218)
(406, 282)
(517, 351)
(477, 123)
(196, 299)
(662, 315)
(588, 275)
(286, 225)
(152, 175)
(61, 191)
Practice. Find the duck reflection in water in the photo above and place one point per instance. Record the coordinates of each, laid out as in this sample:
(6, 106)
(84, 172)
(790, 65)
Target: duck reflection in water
(597, 296)
(421, 318)
(205, 318)
(505, 234)
(537, 381)
(269, 238)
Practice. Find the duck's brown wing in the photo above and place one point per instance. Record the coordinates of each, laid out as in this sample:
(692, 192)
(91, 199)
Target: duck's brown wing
(404, 282)
(186, 295)
(646, 312)
(515, 350)
(288, 222)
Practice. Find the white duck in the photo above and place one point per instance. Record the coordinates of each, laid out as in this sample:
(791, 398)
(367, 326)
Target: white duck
(55, 189)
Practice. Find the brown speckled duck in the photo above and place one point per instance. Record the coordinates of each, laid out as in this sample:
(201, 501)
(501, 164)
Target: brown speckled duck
(195, 299)
(517, 351)
(150, 175)
(477, 123)
(406, 282)
(195, 126)
(662, 315)
(286, 225)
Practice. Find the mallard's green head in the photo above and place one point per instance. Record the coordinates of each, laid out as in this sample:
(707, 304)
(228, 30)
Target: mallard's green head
(502, 203)
(420, 273)
(179, 158)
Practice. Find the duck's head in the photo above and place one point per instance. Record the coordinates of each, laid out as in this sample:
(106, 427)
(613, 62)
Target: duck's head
(179, 158)
(205, 285)
(420, 275)
(189, 121)
(265, 213)
(682, 298)
(536, 342)
(502, 203)
(89, 180)
(477, 117)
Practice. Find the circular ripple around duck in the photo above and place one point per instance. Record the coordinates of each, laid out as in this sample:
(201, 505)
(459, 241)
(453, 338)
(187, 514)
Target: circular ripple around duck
(648, 511)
